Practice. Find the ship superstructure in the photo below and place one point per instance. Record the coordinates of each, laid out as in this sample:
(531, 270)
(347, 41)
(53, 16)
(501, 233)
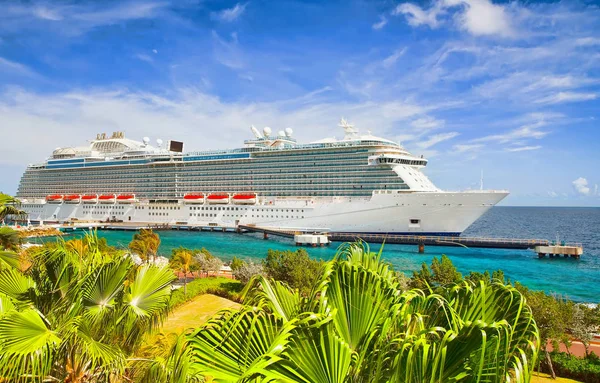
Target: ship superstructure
(361, 183)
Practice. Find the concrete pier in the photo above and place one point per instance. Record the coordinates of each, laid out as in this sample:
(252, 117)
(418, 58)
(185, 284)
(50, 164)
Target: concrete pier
(573, 251)
(541, 246)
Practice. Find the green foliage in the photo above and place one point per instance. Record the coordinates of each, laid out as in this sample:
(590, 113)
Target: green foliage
(582, 369)
(357, 325)
(10, 206)
(223, 287)
(236, 264)
(442, 273)
(77, 313)
(294, 268)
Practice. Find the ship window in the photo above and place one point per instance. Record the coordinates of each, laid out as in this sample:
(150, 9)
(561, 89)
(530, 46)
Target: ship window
(415, 221)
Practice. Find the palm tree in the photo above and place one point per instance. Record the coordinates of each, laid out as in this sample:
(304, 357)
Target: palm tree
(145, 244)
(76, 317)
(358, 326)
(9, 239)
(183, 261)
(9, 206)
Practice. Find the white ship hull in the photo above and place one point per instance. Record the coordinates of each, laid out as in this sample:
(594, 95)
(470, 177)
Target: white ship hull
(434, 213)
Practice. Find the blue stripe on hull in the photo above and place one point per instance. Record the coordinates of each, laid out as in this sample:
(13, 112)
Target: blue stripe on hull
(440, 234)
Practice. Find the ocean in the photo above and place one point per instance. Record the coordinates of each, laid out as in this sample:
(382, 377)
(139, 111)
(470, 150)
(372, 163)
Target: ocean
(578, 280)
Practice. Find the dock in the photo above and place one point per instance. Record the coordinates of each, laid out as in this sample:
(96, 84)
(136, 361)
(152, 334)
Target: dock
(540, 246)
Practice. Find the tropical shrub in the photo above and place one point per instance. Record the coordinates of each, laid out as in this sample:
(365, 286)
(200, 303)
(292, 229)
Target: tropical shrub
(582, 369)
(76, 313)
(295, 268)
(223, 287)
(356, 325)
(247, 270)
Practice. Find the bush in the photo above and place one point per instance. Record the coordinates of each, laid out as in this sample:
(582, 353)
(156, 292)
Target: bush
(223, 287)
(247, 270)
(295, 268)
(569, 366)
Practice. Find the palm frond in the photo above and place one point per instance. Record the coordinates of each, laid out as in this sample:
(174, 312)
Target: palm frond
(272, 295)
(27, 345)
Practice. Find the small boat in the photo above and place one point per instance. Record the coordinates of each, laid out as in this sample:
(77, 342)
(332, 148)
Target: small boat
(244, 199)
(72, 198)
(126, 198)
(89, 198)
(54, 198)
(193, 198)
(107, 198)
(218, 198)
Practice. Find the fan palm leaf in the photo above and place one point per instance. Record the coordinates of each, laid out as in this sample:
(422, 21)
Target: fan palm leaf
(231, 346)
(27, 344)
(9, 259)
(274, 296)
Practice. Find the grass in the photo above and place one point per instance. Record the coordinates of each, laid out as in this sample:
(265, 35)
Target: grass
(545, 378)
(194, 313)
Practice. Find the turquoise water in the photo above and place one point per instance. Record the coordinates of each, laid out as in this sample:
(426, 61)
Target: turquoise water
(576, 279)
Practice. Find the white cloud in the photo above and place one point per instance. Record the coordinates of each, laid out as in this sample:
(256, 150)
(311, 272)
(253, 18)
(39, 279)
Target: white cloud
(416, 16)
(393, 58)
(587, 41)
(188, 114)
(123, 12)
(16, 68)
(427, 123)
(552, 194)
(523, 148)
(144, 57)
(525, 131)
(581, 186)
(154, 51)
(483, 18)
(561, 97)
(47, 13)
(436, 139)
(380, 24)
(462, 148)
(75, 18)
(478, 17)
(230, 14)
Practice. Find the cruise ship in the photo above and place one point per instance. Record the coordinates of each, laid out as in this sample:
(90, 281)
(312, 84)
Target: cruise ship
(358, 184)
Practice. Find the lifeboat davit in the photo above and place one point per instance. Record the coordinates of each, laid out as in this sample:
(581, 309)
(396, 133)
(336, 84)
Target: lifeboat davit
(72, 198)
(218, 198)
(193, 198)
(244, 199)
(54, 198)
(126, 198)
(89, 198)
(107, 198)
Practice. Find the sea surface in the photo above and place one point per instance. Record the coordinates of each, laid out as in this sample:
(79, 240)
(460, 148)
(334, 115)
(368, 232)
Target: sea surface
(574, 279)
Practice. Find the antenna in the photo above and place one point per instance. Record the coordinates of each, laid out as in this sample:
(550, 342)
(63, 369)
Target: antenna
(481, 181)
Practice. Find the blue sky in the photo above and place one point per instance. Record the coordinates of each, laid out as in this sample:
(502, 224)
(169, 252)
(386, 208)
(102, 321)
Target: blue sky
(510, 88)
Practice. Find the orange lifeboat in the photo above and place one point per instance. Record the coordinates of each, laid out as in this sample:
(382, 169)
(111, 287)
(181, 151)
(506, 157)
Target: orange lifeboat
(54, 198)
(107, 198)
(72, 198)
(89, 198)
(126, 198)
(218, 199)
(244, 199)
(193, 198)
